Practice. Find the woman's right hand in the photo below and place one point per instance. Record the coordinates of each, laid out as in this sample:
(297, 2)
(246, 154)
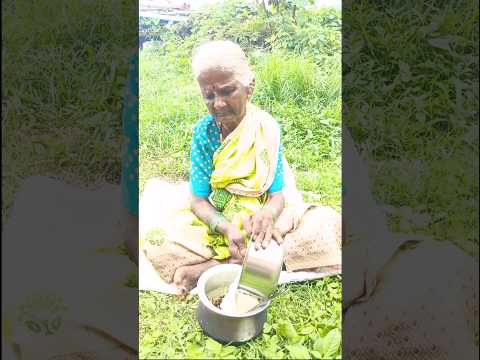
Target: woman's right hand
(237, 245)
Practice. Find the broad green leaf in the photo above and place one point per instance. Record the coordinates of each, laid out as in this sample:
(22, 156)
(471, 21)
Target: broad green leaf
(228, 352)
(286, 329)
(266, 328)
(316, 354)
(307, 330)
(331, 343)
(222, 252)
(269, 353)
(194, 351)
(318, 344)
(213, 346)
(298, 351)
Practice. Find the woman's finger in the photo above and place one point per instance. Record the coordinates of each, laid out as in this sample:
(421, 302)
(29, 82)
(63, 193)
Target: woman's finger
(233, 260)
(267, 239)
(234, 252)
(277, 236)
(243, 252)
(258, 240)
(241, 248)
(257, 226)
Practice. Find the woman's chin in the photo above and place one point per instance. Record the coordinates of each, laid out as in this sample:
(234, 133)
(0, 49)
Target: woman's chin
(228, 120)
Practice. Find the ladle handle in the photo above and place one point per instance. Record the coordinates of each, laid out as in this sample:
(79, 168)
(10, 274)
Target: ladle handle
(269, 297)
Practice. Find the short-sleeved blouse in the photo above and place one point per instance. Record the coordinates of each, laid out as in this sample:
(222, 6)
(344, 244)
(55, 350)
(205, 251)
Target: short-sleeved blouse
(205, 141)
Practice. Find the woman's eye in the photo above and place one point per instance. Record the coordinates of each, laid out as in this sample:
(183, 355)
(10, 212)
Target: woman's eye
(228, 91)
(209, 96)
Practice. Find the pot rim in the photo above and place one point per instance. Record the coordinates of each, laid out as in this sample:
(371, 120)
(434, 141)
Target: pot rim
(206, 302)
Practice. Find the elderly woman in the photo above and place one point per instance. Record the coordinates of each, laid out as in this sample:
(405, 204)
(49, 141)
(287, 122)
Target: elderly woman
(236, 172)
(236, 180)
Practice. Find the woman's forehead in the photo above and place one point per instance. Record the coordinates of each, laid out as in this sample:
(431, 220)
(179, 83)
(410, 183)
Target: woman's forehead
(216, 78)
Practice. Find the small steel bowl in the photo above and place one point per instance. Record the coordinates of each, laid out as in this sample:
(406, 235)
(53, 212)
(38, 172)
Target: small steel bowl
(222, 326)
(261, 269)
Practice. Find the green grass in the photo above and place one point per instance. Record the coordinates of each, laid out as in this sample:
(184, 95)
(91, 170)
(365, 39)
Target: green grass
(304, 321)
(413, 111)
(63, 79)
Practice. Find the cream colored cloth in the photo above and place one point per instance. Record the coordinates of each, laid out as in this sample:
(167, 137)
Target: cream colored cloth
(314, 239)
(170, 256)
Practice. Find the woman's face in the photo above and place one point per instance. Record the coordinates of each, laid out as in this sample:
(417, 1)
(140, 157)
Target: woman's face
(225, 97)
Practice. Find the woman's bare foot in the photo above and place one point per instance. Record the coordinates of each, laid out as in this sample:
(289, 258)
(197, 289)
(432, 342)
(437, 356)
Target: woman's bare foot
(186, 277)
(232, 260)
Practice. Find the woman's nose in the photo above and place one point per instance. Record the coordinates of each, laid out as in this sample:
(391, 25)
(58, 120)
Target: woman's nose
(219, 103)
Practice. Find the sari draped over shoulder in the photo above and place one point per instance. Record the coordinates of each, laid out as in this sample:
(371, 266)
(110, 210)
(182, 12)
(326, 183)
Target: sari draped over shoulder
(244, 170)
(245, 163)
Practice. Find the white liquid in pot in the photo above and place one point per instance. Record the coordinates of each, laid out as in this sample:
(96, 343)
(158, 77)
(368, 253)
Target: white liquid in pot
(237, 302)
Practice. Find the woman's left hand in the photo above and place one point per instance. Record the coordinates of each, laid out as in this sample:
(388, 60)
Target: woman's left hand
(261, 225)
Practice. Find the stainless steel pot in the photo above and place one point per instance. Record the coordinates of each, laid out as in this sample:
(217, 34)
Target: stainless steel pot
(221, 326)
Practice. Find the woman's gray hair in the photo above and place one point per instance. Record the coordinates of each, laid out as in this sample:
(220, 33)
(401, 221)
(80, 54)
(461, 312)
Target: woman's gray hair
(223, 55)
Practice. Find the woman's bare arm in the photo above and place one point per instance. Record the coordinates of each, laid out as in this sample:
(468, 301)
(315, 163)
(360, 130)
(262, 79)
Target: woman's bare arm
(202, 208)
(276, 202)
(206, 212)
